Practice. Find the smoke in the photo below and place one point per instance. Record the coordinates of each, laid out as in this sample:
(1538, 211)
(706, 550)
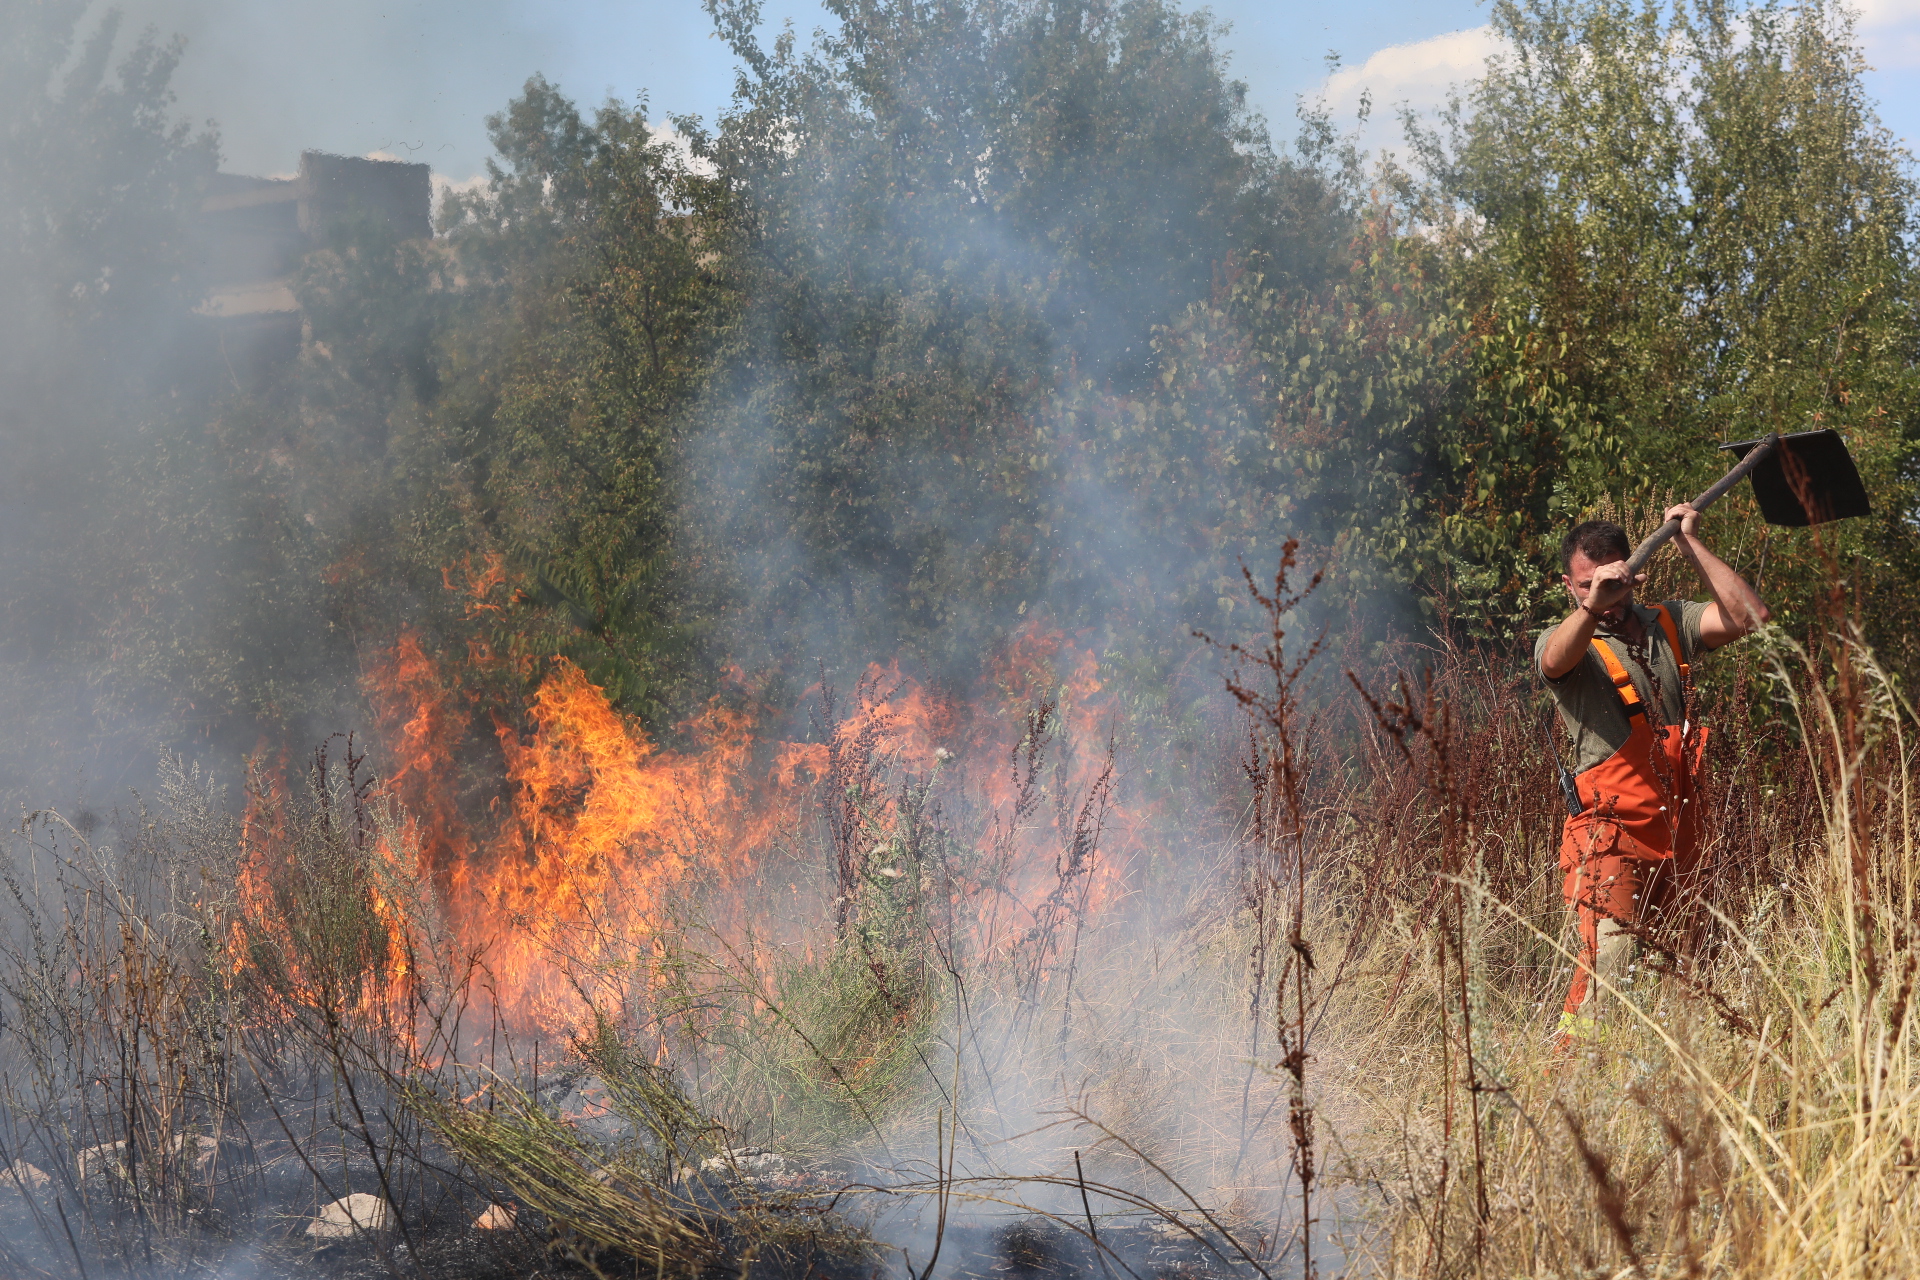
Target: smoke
(97, 184)
(931, 416)
(271, 75)
(960, 366)
(971, 261)
(418, 80)
(984, 238)
(943, 415)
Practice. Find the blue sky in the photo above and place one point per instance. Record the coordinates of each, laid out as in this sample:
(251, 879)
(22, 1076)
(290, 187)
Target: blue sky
(417, 78)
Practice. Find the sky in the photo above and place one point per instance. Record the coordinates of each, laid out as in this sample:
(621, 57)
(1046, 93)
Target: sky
(417, 78)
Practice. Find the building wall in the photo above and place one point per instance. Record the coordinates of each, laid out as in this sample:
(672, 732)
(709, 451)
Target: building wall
(334, 188)
(253, 232)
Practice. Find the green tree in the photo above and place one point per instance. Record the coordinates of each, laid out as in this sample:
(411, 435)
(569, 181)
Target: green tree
(969, 310)
(959, 222)
(594, 293)
(1697, 230)
(1292, 412)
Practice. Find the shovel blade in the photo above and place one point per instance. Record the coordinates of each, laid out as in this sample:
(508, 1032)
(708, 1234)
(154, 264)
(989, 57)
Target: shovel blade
(1809, 479)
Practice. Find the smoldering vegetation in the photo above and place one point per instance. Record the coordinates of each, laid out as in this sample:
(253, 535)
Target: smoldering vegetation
(772, 812)
(969, 1016)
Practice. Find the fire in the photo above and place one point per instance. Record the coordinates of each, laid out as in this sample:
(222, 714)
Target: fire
(424, 723)
(603, 827)
(326, 908)
(600, 838)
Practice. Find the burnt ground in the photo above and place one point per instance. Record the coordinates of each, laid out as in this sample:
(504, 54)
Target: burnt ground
(440, 1243)
(246, 1216)
(1040, 1249)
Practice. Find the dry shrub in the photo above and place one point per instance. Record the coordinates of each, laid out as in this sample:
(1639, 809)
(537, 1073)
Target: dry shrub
(1747, 1109)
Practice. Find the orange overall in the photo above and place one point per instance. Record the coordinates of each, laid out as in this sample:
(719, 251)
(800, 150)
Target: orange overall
(1639, 831)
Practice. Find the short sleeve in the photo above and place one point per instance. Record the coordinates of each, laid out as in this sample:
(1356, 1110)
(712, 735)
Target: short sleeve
(1539, 653)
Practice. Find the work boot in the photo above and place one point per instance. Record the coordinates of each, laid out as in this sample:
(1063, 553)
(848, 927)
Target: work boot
(1574, 1032)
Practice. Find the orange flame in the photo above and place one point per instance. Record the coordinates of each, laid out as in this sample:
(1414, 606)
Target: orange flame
(602, 828)
(277, 903)
(604, 835)
(423, 725)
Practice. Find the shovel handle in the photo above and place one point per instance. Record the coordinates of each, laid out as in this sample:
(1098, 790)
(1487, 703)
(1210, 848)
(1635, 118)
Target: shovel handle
(1658, 538)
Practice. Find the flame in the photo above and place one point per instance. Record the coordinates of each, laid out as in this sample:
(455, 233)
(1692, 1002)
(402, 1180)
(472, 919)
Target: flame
(276, 904)
(485, 587)
(424, 725)
(601, 839)
(603, 827)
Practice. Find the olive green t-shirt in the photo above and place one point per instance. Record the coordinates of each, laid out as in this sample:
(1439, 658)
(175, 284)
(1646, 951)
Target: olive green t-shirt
(1589, 704)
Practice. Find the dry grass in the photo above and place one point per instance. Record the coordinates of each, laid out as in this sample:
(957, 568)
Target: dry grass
(1307, 1021)
(1748, 1111)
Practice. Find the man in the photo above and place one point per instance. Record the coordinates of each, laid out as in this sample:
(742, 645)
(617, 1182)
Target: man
(1621, 674)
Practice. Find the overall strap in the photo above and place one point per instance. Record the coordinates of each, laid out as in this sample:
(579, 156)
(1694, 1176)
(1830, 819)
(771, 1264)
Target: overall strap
(1673, 642)
(1617, 671)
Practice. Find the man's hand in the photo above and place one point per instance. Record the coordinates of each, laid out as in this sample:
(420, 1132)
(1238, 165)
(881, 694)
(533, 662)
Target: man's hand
(1611, 585)
(1601, 592)
(1689, 520)
(1736, 610)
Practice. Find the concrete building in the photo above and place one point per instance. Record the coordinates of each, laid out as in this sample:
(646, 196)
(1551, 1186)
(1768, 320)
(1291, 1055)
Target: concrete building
(253, 232)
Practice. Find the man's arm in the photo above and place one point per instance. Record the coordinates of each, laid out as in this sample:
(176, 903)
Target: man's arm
(1736, 609)
(1568, 643)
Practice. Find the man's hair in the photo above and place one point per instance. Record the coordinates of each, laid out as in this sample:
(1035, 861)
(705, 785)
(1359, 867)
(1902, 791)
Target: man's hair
(1602, 540)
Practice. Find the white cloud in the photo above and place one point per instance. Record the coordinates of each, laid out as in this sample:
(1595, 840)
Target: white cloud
(1421, 73)
(444, 186)
(673, 138)
(1418, 75)
(1893, 50)
(1888, 13)
(1889, 33)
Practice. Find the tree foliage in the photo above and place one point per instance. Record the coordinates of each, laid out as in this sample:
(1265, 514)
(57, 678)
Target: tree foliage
(1698, 224)
(958, 224)
(968, 314)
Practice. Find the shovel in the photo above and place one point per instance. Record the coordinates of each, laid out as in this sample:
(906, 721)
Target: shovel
(1800, 479)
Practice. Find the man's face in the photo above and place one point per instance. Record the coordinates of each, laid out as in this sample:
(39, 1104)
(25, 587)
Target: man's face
(1579, 581)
